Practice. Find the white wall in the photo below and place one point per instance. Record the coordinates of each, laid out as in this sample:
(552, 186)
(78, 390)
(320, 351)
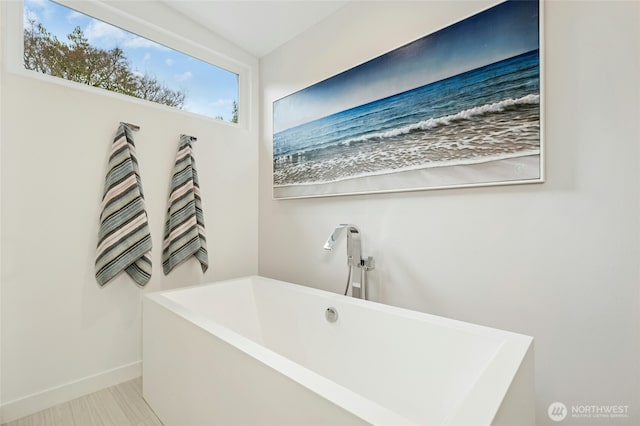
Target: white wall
(58, 325)
(557, 261)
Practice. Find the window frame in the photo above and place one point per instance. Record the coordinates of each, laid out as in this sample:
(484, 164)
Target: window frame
(13, 51)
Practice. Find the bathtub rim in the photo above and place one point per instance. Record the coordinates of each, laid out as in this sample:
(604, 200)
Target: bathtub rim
(339, 395)
(499, 372)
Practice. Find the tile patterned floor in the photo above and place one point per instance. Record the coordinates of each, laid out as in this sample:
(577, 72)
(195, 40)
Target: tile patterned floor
(120, 405)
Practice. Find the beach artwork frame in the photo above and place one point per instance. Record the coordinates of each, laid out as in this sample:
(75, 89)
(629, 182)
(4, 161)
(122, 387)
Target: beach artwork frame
(460, 107)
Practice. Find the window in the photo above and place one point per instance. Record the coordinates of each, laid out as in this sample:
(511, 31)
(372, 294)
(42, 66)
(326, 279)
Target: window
(65, 43)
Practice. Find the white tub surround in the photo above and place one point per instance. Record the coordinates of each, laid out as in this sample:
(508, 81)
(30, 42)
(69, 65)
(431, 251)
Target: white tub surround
(256, 351)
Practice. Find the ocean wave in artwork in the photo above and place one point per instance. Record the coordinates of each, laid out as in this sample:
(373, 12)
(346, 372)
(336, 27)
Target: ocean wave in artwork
(486, 114)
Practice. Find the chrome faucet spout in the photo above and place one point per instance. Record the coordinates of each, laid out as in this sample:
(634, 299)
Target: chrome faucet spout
(354, 258)
(331, 241)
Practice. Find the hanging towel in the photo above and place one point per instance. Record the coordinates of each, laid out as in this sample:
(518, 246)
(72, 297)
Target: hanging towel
(124, 240)
(184, 226)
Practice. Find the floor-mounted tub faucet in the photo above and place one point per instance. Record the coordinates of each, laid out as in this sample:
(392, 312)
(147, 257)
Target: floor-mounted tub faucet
(355, 260)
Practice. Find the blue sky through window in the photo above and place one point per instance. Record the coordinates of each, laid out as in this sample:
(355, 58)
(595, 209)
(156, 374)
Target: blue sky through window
(210, 90)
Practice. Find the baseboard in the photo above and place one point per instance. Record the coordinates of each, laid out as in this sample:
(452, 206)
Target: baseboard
(33, 403)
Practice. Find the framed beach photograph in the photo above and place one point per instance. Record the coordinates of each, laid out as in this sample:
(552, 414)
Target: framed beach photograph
(459, 107)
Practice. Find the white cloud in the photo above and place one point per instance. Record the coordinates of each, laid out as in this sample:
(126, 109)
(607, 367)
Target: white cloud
(168, 61)
(184, 76)
(222, 102)
(100, 30)
(74, 15)
(43, 7)
(138, 74)
(30, 15)
(43, 4)
(136, 42)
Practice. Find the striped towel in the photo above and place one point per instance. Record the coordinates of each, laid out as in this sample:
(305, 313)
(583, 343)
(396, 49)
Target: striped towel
(124, 240)
(184, 226)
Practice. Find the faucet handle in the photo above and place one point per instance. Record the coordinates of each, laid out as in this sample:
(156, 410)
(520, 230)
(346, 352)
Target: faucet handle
(369, 263)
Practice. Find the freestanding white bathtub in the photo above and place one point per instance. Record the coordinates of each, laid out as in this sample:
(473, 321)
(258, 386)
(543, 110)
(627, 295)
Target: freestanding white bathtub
(255, 351)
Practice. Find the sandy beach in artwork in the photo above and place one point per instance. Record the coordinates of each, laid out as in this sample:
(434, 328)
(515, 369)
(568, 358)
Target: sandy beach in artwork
(511, 170)
(479, 127)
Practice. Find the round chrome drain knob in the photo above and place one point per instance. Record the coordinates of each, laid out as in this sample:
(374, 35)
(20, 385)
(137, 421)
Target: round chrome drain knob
(331, 314)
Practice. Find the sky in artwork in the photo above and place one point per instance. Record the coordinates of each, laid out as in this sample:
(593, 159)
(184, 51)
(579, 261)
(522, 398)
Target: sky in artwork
(210, 90)
(501, 32)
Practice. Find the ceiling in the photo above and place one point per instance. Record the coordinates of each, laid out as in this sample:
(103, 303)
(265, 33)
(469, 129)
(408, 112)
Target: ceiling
(257, 27)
